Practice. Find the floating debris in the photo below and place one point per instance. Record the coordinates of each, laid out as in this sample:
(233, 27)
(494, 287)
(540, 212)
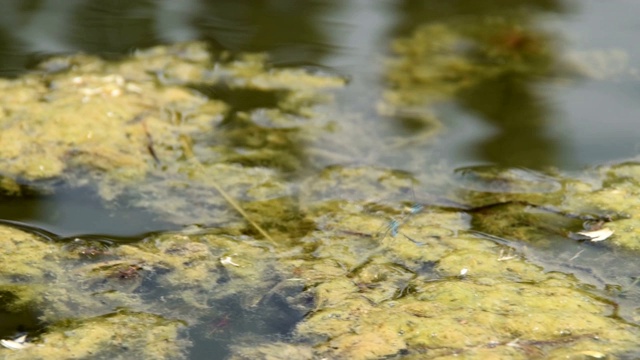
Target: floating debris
(17, 344)
(597, 235)
(227, 261)
(593, 354)
(507, 256)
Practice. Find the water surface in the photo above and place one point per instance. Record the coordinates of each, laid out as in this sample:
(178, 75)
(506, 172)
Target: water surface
(574, 109)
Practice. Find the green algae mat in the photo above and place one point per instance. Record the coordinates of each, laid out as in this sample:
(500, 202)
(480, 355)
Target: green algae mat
(277, 254)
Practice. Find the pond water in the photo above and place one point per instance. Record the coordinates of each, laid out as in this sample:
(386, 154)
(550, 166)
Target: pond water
(544, 87)
(589, 121)
(558, 121)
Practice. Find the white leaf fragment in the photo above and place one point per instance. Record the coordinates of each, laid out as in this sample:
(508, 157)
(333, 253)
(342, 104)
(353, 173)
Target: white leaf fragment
(597, 235)
(227, 261)
(17, 344)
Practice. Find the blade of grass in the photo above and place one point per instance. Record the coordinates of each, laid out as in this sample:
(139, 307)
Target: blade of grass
(186, 145)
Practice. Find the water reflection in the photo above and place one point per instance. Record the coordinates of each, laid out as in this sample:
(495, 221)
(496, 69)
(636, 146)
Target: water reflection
(491, 58)
(11, 58)
(112, 27)
(293, 32)
(521, 114)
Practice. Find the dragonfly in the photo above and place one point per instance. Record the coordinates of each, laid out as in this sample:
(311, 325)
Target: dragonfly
(394, 225)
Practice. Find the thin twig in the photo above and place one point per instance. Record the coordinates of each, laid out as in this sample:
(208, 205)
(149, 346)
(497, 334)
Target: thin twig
(239, 209)
(187, 148)
(188, 152)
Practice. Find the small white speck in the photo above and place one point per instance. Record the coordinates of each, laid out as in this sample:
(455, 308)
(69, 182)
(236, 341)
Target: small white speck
(464, 271)
(227, 261)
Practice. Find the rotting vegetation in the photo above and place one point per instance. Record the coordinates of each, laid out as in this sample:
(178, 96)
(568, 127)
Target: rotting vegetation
(469, 275)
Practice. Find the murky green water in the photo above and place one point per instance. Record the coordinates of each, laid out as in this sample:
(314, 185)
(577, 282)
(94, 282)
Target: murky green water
(513, 123)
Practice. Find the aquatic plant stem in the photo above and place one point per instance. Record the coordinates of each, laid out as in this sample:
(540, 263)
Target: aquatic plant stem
(240, 210)
(234, 204)
(186, 144)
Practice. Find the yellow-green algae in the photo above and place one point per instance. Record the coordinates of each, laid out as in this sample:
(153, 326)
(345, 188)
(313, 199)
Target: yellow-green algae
(378, 296)
(140, 130)
(187, 271)
(121, 335)
(375, 295)
(609, 194)
(435, 289)
(272, 351)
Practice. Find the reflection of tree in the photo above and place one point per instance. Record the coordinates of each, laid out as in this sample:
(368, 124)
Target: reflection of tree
(11, 61)
(417, 12)
(291, 31)
(490, 58)
(112, 27)
(520, 114)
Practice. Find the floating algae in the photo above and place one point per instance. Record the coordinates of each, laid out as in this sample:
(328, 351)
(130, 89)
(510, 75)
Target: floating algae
(365, 297)
(120, 335)
(462, 280)
(138, 131)
(178, 278)
(386, 303)
(380, 297)
(496, 180)
(370, 296)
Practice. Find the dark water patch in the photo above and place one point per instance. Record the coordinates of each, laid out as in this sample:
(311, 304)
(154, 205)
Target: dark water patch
(68, 212)
(273, 317)
(15, 318)
(240, 99)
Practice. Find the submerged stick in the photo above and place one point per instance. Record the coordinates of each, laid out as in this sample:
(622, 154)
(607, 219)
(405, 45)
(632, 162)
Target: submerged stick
(187, 148)
(188, 152)
(239, 209)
